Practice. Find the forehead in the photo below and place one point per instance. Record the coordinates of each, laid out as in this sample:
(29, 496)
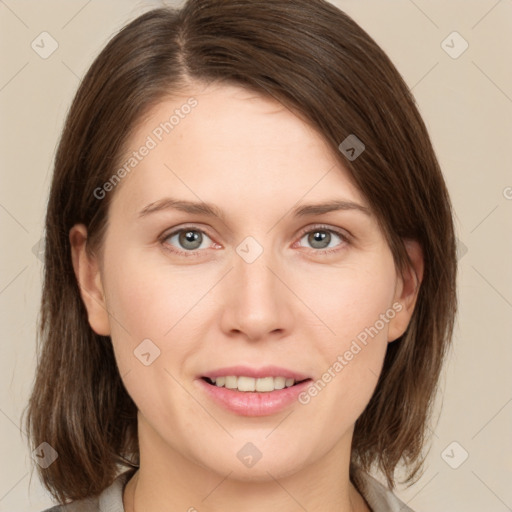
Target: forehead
(224, 141)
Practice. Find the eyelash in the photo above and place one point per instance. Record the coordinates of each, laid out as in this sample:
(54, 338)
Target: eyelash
(343, 236)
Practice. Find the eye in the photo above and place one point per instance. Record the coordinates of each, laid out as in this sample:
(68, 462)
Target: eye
(186, 241)
(190, 241)
(324, 239)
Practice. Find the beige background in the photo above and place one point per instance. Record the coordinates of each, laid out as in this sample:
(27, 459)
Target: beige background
(467, 105)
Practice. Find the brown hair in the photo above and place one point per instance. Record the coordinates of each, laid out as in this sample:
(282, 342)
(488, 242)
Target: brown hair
(316, 60)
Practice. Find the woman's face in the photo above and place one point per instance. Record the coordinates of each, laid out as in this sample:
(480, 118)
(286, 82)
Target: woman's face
(266, 284)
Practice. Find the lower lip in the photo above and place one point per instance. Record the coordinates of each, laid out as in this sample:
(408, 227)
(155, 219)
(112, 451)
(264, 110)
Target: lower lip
(246, 403)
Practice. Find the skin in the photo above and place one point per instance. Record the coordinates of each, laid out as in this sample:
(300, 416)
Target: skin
(295, 306)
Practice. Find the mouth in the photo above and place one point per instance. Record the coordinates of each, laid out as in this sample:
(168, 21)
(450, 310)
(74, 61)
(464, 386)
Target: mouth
(247, 384)
(253, 396)
(253, 391)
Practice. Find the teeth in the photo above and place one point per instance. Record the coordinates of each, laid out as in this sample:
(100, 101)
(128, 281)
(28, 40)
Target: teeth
(246, 384)
(263, 384)
(269, 383)
(280, 382)
(230, 382)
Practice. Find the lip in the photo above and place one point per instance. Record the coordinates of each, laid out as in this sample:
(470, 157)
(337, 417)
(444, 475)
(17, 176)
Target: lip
(255, 373)
(248, 403)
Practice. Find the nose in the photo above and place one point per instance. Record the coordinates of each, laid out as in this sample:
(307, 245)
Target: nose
(258, 303)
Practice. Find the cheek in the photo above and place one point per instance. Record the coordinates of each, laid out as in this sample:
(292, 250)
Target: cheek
(352, 299)
(356, 304)
(151, 310)
(147, 297)
(150, 300)
(142, 305)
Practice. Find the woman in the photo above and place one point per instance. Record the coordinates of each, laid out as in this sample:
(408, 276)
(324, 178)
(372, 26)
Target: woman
(249, 270)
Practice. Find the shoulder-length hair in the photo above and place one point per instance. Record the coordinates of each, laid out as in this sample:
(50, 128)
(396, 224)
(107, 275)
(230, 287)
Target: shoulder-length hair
(315, 60)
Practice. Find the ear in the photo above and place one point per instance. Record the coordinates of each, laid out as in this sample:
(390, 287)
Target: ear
(406, 291)
(87, 273)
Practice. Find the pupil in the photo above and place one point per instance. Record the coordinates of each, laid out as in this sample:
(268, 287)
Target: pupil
(188, 239)
(318, 237)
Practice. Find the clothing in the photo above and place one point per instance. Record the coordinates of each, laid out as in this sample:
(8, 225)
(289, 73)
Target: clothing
(378, 497)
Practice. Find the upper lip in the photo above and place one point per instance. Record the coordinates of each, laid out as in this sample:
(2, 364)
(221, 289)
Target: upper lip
(256, 373)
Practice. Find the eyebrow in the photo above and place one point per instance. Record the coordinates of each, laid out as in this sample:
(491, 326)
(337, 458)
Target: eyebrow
(212, 211)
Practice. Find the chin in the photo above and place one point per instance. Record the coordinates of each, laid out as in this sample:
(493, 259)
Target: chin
(267, 468)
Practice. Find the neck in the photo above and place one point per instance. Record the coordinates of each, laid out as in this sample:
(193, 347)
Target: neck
(166, 480)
